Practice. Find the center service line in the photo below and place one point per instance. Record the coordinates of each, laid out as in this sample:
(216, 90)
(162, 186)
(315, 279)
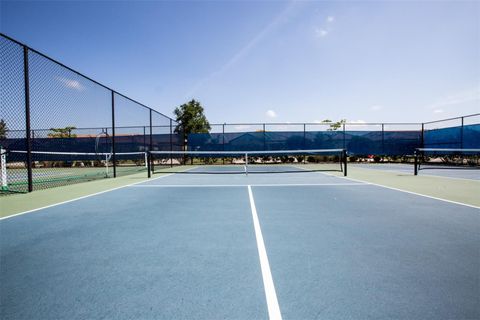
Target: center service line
(270, 294)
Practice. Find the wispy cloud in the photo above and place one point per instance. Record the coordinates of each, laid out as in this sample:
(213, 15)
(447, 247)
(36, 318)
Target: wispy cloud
(280, 19)
(271, 114)
(376, 108)
(465, 96)
(71, 84)
(321, 32)
(324, 28)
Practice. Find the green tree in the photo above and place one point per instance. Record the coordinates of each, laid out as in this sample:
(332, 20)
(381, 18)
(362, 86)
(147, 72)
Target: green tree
(334, 126)
(191, 119)
(62, 132)
(3, 129)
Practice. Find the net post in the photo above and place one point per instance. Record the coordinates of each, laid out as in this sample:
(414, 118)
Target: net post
(246, 164)
(415, 164)
(106, 165)
(148, 156)
(344, 152)
(114, 160)
(27, 118)
(3, 167)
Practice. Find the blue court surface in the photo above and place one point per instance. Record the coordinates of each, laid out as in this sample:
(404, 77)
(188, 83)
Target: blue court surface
(469, 174)
(291, 245)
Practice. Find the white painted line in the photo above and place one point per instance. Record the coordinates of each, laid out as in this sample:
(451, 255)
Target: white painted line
(79, 198)
(406, 191)
(270, 294)
(245, 185)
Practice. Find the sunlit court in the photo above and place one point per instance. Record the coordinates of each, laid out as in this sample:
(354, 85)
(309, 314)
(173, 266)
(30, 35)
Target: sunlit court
(240, 160)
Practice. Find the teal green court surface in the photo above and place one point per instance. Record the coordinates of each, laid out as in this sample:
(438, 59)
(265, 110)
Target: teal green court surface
(290, 245)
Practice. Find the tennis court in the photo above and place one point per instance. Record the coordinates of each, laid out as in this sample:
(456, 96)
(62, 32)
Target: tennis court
(296, 245)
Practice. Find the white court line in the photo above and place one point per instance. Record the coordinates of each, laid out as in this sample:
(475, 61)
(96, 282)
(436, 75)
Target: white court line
(410, 192)
(83, 197)
(270, 294)
(246, 185)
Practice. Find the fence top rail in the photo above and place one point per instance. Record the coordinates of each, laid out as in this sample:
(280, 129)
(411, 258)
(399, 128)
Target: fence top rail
(455, 118)
(91, 128)
(312, 123)
(78, 73)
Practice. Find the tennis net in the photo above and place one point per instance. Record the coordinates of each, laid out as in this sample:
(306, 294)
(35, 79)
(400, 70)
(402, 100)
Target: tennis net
(442, 158)
(51, 169)
(249, 162)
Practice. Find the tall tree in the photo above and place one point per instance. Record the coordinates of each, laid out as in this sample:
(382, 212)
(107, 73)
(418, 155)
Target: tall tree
(191, 119)
(62, 132)
(3, 129)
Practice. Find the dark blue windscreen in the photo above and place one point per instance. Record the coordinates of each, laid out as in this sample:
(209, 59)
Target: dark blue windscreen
(356, 142)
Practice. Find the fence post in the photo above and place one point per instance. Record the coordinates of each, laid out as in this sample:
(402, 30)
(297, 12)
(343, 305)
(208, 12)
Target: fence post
(114, 160)
(304, 142)
(27, 118)
(171, 143)
(223, 141)
(264, 138)
(383, 139)
(422, 138)
(144, 138)
(461, 136)
(151, 168)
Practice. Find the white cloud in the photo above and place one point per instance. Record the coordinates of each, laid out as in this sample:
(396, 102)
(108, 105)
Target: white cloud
(320, 33)
(330, 19)
(357, 121)
(438, 111)
(271, 114)
(71, 84)
(376, 107)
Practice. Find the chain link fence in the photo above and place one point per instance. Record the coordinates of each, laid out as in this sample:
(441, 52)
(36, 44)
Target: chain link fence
(58, 126)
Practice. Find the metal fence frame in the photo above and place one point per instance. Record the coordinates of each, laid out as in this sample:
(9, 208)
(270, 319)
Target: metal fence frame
(28, 130)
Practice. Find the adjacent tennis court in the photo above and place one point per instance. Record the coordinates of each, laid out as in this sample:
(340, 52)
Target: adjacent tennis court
(294, 245)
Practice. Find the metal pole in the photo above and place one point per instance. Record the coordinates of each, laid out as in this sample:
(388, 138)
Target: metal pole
(304, 141)
(422, 138)
(152, 165)
(27, 118)
(344, 162)
(264, 138)
(383, 139)
(114, 160)
(461, 135)
(171, 142)
(415, 170)
(223, 141)
(144, 138)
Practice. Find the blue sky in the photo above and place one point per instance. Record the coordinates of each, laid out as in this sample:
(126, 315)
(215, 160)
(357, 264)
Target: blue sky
(269, 61)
